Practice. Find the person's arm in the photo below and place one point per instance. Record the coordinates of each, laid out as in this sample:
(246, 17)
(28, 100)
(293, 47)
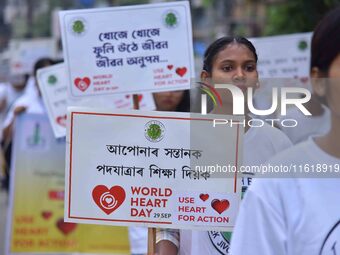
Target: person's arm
(8, 125)
(167, 241)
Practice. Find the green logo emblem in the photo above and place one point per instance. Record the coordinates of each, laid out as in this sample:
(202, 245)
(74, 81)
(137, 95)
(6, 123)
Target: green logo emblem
(52, 79)
(171, 19)
(302, 45)
(154, 131)
(78, 27)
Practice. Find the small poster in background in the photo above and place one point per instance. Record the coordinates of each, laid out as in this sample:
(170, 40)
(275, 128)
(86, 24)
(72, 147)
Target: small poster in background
(24, 53)
(53, 84)
(36, 224)
(284, 56)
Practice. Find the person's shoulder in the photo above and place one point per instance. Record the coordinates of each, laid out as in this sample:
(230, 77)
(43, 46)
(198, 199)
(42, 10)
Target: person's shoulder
(274, 136)
(296, 153)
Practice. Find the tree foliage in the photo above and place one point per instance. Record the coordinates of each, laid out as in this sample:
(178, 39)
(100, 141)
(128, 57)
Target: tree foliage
(295, 16)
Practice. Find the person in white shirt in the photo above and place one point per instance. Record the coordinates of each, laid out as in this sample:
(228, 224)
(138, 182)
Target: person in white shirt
(288, 216)
(227, 60)
(30, 103)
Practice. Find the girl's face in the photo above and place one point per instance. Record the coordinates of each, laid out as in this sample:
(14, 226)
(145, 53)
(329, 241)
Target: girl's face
(333, 91)
(236, 65)
(168, 101)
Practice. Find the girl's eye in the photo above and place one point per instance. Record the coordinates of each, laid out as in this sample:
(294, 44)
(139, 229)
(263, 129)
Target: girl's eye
(250, 68)
(227, 68)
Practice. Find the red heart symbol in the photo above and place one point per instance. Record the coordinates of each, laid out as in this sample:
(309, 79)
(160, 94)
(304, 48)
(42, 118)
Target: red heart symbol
(61, 120)
(170, 67)
(204, 197)
(140, 97)
(46, 214)
(220, 205)
(82, 83)
(181, 71)
(66, 227)
(108, 199)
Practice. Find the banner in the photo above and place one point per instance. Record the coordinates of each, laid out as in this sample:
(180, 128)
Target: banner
(152, 169)
(35, 223)
(133, 49)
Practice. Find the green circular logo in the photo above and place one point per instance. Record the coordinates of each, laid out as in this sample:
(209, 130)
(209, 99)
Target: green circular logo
(52, 79)
(171, 19)
(154, 131)
(78, 26)
(303, 45)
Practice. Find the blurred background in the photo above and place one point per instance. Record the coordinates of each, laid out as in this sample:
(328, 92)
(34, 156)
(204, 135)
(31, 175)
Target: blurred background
(27, 19)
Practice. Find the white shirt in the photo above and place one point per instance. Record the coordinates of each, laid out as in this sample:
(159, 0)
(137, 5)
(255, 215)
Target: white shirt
(260, 144)
(291, 216)
(307, 125)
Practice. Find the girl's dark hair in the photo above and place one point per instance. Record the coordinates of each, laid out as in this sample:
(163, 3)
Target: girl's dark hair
(42, 62)
(326, 41)
(184, 105)
(221, 44)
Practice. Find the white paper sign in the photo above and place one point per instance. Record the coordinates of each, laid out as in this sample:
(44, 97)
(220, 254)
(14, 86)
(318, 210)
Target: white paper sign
(24, 53)
(284, 56)
(53, 84)
(146, 168)
(144, 48)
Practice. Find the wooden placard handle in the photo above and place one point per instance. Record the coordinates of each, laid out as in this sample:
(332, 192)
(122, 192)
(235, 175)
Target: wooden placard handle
(135, 99)
(151, 241)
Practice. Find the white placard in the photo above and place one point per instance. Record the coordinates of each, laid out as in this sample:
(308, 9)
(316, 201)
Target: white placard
(133, 49)
(53, 84)
(146, 169)
(284, 56)
(24, 53)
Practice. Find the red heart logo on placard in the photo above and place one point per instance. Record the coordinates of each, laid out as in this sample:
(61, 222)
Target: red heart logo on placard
(66, 227)
(140, 97)
(204, 197)
(82, 83)
(46, 214)
(108, 199)
(181, 71)
(220, 205)
(170, 67)
(61, 120)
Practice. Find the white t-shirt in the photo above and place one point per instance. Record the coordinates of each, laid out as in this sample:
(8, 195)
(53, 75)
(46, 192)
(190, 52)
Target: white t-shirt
(291, 216)
(307, 125)
(260, 144)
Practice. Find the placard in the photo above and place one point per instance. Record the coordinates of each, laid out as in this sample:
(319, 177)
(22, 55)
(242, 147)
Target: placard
(133, 49)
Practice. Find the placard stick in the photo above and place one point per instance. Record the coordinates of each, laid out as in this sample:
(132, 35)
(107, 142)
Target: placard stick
(151, 241)
(135, 99)
(151, 231)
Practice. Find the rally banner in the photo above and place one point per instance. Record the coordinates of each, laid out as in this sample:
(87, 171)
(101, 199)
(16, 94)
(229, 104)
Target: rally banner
(53, 84)
(36, 224)
(154, 169)
(133, 49)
